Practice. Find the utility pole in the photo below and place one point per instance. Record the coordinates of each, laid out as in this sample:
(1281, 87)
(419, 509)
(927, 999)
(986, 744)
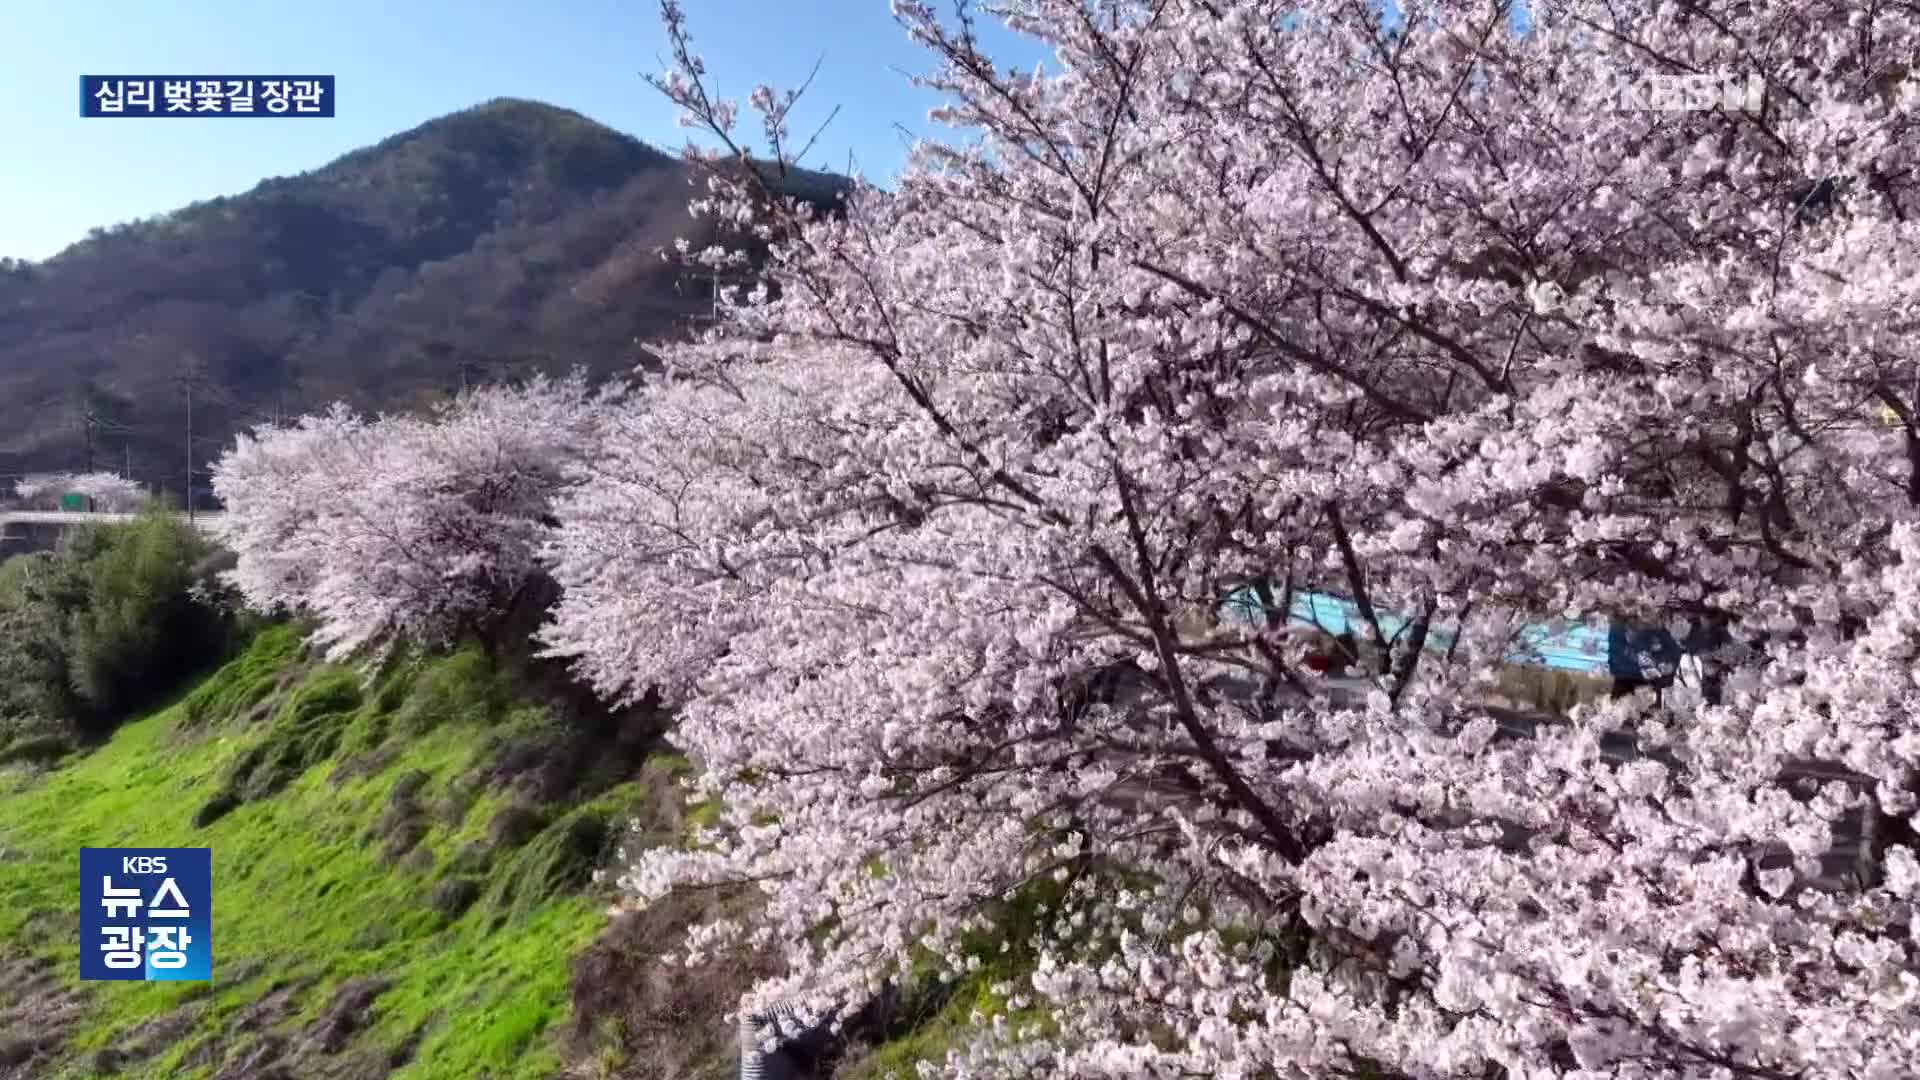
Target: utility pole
(189, 383)
(86, 427)
(126, 471)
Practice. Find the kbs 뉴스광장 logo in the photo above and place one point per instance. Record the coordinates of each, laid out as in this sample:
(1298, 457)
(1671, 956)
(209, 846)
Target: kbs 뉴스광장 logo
(146, 914)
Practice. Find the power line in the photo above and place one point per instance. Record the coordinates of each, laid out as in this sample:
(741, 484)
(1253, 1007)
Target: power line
(225, 398)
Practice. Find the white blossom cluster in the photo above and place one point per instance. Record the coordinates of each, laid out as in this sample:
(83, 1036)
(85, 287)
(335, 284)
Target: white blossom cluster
(109, 492)
(1243, 294)
(402, 527)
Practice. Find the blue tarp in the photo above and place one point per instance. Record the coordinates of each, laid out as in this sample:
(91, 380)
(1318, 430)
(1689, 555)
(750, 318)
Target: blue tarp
(1566, 646)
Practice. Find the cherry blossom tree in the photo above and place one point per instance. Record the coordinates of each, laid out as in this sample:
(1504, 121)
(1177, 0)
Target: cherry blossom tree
(108, 492)
(1243, 294)
(403, 527)
(276, 484)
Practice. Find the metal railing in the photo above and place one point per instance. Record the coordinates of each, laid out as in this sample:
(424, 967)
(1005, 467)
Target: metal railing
(768, 1038)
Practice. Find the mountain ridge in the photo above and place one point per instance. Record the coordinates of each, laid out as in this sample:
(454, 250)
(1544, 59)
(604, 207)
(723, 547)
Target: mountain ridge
(501, 239)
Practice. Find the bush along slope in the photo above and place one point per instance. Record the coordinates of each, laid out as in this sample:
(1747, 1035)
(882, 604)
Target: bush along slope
(404, 868)
(103, 625)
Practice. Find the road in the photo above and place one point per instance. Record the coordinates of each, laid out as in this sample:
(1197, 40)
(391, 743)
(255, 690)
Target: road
(201, 520)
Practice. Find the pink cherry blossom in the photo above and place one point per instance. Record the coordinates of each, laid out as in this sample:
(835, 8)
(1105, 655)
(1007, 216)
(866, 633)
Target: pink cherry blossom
(107, 492)
(926, 539)
(1294, 296)
(403, 527)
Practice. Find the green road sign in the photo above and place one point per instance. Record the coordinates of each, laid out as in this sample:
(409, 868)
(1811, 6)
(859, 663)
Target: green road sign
(73, 500)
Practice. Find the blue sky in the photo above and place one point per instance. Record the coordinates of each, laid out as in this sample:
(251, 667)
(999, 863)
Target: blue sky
(399, 63)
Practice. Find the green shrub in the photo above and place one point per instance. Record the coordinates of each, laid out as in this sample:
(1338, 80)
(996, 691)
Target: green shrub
(105, 624)
(39, 595)
(142, 628)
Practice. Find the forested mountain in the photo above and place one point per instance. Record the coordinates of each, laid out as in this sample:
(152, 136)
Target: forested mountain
(507, 237)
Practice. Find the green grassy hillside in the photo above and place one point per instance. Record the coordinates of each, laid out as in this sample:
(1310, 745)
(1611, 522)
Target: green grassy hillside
(402, 876)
